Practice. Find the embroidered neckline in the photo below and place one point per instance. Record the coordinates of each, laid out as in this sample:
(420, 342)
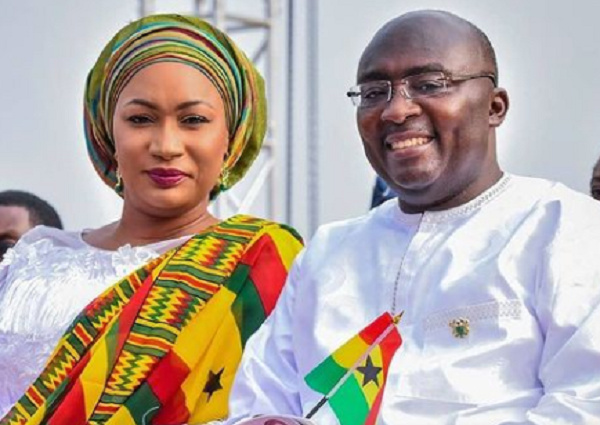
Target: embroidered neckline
(431, 217)
(460, 211)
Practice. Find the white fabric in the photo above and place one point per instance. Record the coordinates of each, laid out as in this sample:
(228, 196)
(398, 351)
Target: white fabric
(45, 281)
(522, 262)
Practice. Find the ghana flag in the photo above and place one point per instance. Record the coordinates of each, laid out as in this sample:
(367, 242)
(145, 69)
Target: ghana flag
(353, 377)
(162, 345)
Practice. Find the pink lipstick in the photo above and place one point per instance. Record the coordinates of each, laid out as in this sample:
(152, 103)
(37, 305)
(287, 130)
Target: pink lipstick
(166, 177)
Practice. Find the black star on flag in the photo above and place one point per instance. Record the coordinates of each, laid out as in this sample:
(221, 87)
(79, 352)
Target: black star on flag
(213, 383)
(370, 372)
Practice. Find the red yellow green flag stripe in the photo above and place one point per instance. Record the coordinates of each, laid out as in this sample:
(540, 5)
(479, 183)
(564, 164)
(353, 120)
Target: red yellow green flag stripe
(162, 346)
(353, 378)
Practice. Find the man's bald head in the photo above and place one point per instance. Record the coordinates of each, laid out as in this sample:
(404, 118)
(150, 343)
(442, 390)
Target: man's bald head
(445, 25)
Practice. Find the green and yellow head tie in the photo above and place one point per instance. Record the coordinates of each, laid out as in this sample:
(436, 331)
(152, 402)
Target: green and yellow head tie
(191, 41)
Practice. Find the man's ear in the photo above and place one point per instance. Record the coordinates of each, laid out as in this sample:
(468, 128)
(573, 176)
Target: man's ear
(498, 107)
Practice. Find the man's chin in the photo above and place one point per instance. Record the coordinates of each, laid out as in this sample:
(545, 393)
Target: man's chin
(412, 185)
(419, 196)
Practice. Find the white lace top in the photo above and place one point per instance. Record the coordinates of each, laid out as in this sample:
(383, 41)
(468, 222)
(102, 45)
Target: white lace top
(45, 281)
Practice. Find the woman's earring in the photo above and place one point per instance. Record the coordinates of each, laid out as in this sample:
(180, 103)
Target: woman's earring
(119, 187)
(224, 179)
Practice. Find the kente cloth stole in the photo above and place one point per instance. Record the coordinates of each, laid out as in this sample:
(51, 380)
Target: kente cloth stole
(143, 351)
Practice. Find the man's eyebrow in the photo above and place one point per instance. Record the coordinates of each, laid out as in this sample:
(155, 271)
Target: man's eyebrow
(415, 70)
(373, 76)
(422, 69)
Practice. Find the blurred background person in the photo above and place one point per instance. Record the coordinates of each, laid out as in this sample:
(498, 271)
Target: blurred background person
(381, 192)
(143, 320)
(21, 211)
(595, 181)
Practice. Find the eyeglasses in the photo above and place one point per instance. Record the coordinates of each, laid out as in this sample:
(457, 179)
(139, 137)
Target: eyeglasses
(430, 84)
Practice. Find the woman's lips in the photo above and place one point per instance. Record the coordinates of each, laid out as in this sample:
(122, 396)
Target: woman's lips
(166, 177)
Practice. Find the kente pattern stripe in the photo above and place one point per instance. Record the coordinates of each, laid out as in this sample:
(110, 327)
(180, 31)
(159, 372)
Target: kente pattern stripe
(193, 274)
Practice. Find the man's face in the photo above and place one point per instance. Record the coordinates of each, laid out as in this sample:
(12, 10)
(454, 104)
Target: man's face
(436, 152)
(14, 222)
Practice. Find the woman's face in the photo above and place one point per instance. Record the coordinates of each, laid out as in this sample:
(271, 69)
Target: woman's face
(171, 139)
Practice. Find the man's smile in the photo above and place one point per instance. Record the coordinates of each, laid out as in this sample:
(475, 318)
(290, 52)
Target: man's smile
(395, 143)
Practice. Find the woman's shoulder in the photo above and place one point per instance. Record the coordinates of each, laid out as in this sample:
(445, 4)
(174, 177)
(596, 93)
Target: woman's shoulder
(44, 249)
(41, 240)
(44, 238)
(37, 244)
(260, 227)
(267, 240)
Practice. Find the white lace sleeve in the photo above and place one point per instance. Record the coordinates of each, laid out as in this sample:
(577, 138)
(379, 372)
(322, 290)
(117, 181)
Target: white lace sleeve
(45, 281)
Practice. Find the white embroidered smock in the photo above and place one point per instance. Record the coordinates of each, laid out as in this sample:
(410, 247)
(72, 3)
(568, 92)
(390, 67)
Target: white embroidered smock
(521, 263)
(45, 281)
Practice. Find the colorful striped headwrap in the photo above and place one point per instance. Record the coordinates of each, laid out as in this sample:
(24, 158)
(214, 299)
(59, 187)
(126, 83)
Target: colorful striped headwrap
(194, 42)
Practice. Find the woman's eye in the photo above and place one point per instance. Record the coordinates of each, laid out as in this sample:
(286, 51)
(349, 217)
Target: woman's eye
(194, 119)
(139, 119)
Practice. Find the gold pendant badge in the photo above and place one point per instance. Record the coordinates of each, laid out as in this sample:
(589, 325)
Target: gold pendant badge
(460, 327)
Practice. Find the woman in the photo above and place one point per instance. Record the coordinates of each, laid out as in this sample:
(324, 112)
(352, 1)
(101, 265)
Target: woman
(167, 295)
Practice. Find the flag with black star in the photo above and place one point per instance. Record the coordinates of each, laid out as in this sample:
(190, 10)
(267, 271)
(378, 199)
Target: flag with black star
(370, 372)
(352, 379)
(213, 382)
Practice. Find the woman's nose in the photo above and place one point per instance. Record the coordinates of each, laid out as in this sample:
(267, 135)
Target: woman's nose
(167, 142)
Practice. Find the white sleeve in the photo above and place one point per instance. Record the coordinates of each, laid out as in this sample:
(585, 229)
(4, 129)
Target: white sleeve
(571, 379)
(568, 311)
(267, 378)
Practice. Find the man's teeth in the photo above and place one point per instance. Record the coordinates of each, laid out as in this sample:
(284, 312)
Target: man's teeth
(416, 141)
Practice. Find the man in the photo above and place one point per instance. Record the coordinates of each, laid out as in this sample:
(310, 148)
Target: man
(19, 212)
(595, 181)
(498, 275)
